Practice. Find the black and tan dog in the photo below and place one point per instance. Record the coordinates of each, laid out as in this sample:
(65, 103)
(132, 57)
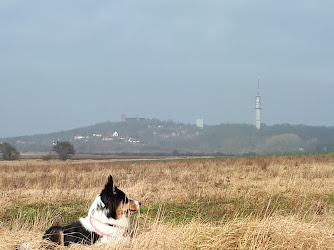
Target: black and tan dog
(107, 220)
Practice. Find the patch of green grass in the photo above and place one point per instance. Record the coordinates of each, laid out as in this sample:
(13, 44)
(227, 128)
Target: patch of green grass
(329, 199)
(203, 210)
(61, 213)
(281, 202)
(222, 210)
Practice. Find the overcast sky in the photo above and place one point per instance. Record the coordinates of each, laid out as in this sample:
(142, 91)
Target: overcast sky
(68, 64)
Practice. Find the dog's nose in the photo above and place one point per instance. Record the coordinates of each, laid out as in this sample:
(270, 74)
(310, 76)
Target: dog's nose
(139, 203)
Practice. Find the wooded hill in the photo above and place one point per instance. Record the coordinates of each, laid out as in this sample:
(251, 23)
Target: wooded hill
(154, 136)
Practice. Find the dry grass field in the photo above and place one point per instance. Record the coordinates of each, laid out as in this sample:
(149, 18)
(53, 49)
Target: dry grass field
(282, 202)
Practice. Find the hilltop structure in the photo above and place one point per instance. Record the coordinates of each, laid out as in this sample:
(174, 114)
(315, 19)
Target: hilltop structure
(200, 123)
(126, 119)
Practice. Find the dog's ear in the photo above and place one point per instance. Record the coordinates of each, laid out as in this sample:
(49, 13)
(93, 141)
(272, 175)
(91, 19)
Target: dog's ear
(110, 180)
(110, 184)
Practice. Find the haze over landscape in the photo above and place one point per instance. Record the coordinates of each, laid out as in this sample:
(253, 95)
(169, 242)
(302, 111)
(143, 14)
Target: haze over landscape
(214, 115)
(71, 64)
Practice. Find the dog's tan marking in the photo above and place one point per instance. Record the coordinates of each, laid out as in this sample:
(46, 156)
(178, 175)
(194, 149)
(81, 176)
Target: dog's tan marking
(61, 238)
(133, 205)
(124, 208)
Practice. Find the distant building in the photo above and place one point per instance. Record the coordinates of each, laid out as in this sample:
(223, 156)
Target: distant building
(200, 123)
(131, 119)
(107, 138)
(79, 137)
(132, 140)
(125, 119)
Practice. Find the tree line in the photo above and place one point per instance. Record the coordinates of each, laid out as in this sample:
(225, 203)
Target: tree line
(64, 150)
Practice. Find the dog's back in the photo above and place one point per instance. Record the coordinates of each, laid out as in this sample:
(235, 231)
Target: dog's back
(74, 232)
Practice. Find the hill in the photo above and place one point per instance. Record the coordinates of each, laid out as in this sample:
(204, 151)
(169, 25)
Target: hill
(154, 136)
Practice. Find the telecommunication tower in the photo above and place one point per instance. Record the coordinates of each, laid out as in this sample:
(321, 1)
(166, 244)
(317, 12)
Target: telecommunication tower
(258, 107)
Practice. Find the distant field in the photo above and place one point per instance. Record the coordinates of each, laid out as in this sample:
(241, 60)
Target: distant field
(36, 156)
(282, 202)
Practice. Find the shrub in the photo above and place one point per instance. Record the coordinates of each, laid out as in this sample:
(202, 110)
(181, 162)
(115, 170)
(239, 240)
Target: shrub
(9, 152)
(65, 150)
(47, 157)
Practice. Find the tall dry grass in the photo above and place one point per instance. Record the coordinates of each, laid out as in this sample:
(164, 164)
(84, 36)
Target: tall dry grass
(247, 203)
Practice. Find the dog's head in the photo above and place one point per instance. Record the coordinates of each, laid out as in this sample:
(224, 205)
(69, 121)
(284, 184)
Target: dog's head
(116, 202)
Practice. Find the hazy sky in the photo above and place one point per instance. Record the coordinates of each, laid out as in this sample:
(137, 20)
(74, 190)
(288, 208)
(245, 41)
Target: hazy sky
(67, 64)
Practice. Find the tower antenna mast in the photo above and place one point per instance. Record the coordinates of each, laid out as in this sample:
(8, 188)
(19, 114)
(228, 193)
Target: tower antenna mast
(258, 106)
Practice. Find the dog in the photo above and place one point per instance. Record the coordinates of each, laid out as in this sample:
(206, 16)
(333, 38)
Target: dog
(107, 220)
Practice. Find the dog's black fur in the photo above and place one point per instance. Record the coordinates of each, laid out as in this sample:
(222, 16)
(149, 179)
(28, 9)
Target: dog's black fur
(73, 233)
